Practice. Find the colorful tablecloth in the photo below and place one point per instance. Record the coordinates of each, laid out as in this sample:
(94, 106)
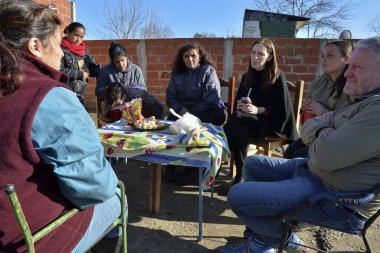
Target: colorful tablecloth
(206, 147)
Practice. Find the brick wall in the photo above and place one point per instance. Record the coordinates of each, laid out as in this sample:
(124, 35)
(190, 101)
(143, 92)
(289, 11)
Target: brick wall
(298, 59)
(63, 9)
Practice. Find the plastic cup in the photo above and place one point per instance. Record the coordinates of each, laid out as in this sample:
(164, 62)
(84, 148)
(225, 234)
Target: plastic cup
(246, 100)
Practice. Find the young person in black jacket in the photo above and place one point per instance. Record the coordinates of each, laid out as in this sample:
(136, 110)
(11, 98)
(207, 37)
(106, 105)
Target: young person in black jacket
(77, 62)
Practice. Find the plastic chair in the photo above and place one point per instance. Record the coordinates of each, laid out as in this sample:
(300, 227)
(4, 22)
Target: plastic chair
(268, 143)
(31, 239)
(341, 199)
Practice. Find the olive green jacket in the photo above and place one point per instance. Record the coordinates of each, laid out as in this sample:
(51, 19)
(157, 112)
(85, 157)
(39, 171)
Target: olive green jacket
(322, 89)
(348, 159)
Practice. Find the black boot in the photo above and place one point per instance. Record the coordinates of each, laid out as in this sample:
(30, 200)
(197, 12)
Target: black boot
(108, 245)
(170, 174)
(188, 176)
(239, 175)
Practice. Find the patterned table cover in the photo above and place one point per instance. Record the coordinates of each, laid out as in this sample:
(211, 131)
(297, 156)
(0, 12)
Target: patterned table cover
(206, 147)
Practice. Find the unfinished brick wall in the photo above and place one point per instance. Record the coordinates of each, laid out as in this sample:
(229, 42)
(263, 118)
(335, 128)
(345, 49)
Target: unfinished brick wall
(63, 9)
(297, 58)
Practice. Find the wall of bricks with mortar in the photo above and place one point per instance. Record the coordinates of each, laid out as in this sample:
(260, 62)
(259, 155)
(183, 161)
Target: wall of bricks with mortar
(297, 58)
(63, 9)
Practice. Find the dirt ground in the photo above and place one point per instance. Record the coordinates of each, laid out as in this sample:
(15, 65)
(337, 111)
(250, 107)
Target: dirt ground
(175, 228)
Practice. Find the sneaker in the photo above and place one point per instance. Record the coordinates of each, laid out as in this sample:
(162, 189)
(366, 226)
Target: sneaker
(187, 177)
(298, 226)
(170, 175)
(296, 245)
(246, 246)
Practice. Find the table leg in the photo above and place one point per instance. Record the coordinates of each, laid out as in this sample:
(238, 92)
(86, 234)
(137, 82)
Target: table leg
(155, 188)
(200, 206)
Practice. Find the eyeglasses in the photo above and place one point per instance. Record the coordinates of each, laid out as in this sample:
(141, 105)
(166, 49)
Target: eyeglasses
(52, 7)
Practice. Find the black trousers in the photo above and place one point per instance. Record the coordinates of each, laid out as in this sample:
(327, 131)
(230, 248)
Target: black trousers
(216, 116)
(241, 126)
(296, 149)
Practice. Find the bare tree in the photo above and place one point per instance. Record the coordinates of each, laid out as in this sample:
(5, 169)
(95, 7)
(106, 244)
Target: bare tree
(327, 17)
(128, 19)
(374, 25)
(204, 35)
(155, 27)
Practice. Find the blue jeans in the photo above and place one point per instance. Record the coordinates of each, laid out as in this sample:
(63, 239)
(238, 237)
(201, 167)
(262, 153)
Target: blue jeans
(104, 214)
(274, 186)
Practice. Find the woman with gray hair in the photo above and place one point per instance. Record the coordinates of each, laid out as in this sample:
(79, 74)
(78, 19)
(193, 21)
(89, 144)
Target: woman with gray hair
(51, 150)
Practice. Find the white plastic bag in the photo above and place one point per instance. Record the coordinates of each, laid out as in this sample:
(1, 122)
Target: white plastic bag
(187, 123)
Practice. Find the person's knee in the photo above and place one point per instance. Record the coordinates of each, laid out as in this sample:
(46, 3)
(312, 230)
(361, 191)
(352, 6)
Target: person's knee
(251, 161)
(233, 196)
(255, 164)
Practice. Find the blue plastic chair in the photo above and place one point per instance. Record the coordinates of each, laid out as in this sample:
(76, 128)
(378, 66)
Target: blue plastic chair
(341, 199)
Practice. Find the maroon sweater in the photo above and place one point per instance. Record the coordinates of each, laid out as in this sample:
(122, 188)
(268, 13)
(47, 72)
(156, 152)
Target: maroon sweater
(35, 182)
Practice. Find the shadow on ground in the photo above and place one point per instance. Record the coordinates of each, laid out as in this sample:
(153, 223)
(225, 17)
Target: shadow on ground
(175, 228)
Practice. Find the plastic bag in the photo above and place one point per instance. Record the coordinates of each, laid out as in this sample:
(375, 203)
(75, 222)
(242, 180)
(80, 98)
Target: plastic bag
(132, 111)
(187, 123)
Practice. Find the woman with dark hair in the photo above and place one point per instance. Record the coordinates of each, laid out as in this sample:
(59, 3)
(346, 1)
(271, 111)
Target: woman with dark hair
(77, 62)
(194, 87)
(269, 109)
(50, 147)
(326, 92)
(121, 70)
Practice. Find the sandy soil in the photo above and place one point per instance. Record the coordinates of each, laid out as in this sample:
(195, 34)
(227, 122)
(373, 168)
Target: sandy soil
(175, 228)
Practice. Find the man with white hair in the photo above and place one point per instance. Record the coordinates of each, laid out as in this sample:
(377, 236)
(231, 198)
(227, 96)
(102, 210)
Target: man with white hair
(344, 155)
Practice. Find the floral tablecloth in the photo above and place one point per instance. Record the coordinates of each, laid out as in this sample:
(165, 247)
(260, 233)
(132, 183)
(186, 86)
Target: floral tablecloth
(206, 147)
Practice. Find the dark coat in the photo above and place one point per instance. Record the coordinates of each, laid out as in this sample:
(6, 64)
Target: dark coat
(69, 65)
(276, 101)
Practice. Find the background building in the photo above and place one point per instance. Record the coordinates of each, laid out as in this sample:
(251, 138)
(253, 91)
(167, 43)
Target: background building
(259, 24)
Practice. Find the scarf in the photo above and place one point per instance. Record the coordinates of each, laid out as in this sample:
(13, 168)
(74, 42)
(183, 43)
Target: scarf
(78, 50)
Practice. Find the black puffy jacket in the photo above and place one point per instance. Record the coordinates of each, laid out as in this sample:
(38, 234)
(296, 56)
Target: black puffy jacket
(69, 65)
